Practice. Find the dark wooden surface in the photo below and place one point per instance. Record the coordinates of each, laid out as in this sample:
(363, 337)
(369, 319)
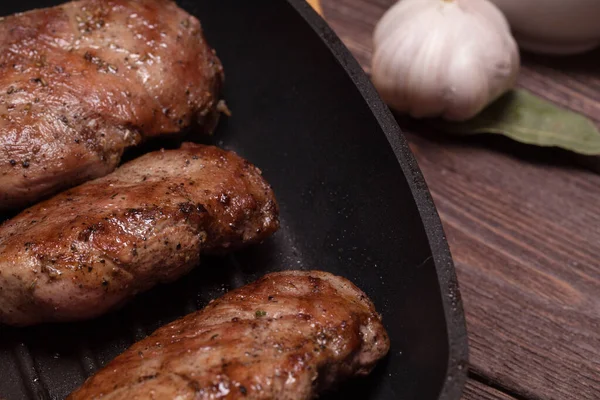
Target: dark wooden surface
(479, 391)
(523, 226)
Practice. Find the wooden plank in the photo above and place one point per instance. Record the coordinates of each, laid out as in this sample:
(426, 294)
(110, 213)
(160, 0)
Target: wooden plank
(524, 238)
(475, 390)
(354, 21)
(523, 225)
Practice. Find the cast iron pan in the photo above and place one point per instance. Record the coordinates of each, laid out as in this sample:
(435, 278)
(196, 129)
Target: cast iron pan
(352, 198)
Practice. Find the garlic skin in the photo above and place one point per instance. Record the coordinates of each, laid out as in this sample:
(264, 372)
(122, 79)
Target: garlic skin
(447, 58)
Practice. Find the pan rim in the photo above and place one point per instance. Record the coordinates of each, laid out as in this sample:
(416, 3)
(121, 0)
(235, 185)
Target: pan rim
(456, 370)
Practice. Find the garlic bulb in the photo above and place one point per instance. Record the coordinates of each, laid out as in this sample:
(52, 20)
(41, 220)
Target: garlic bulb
(447, 58)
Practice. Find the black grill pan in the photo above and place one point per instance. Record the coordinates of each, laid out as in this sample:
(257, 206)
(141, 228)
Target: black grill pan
(352, 198)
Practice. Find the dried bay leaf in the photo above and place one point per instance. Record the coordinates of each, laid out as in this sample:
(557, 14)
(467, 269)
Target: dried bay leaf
(529, 119)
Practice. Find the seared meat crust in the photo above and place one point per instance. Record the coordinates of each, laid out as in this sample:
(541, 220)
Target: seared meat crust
(81, 82)
(288, 336)
(89, 249)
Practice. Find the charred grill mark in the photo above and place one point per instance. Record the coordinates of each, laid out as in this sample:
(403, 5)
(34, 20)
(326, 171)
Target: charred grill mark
(147, 377)
(88, 232)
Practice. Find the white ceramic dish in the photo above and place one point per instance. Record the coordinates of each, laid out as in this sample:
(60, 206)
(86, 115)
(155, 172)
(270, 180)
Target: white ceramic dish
(554, 26)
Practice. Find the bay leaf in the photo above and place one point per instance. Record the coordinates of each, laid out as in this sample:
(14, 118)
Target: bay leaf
(529, 119)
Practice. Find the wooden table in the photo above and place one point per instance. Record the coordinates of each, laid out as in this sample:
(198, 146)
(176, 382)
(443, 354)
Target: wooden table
(524, 229)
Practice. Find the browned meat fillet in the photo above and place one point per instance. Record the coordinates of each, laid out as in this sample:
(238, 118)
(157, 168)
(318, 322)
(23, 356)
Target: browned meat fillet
(288, 336)
(89, 249)
(81, 82)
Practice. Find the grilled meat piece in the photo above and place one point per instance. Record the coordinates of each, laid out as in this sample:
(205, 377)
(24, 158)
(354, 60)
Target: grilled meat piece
(89, 249)
(81, 82)
(288, 336)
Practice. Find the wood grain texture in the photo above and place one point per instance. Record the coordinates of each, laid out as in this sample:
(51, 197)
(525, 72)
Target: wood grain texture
(523, 226)
(475, 390)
